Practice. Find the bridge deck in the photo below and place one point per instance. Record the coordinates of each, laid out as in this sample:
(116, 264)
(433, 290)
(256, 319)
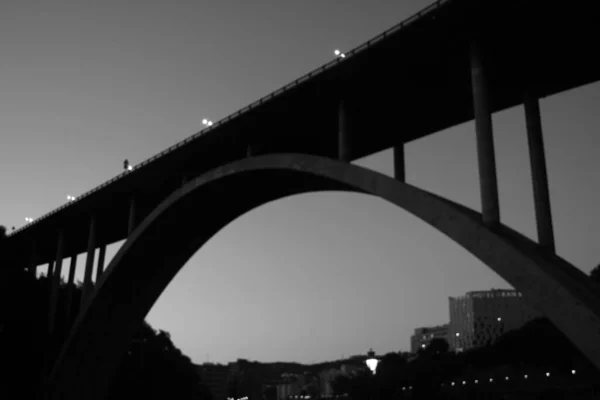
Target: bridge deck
(411, 81)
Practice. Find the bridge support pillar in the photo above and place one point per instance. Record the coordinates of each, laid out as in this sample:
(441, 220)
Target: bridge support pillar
(50, 269)
(100, 265)
(485, 141)
(70, 289)
(55, 282)
(89, 262)
(539, 175)
(131, 220)
(344, 145)
(32, 267)
(399, 163)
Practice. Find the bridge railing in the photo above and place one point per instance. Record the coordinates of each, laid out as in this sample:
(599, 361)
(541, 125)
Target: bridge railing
(357, 50)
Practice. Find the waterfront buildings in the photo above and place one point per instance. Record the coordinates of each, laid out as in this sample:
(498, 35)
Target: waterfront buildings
(478, 318)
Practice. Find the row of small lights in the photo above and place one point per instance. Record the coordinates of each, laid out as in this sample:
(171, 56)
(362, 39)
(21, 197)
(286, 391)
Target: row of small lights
(241, 398)
(69, 198)
(205, 122)
(476, 381)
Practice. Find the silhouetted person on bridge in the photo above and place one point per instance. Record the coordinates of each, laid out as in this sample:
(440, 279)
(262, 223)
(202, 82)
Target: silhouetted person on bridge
(126, 164)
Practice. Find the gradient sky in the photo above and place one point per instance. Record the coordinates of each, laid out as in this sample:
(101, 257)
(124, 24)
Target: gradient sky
(86, 84)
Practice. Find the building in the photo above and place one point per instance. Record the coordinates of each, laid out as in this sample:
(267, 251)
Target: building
(422, 336)
(479, 318)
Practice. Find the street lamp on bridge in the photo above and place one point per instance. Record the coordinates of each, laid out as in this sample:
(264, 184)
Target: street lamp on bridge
(339, 53)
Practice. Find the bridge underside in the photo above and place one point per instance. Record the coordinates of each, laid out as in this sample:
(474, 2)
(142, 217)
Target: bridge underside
(181, 224)
(414, 82)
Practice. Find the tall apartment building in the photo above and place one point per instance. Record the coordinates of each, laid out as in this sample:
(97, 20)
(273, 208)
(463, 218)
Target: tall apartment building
(479, 318)
(422, 336)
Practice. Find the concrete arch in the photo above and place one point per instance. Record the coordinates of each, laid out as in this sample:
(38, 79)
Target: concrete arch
(175, 230)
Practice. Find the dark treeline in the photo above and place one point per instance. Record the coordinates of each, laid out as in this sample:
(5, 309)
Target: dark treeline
(153, 368)
(538, 347)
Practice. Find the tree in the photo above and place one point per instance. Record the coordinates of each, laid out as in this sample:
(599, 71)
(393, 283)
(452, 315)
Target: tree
(341, 384)
(595, 274)
(154, 367)
(438, 346)
(270, 393)
(390, 374)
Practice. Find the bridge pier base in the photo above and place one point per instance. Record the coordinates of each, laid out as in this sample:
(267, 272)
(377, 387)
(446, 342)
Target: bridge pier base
(539, 175)
(399, 163)
(485, 141)
(55, 282)
(89, 262)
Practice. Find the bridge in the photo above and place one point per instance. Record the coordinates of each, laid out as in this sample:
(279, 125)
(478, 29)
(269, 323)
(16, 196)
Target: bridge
(455, 61)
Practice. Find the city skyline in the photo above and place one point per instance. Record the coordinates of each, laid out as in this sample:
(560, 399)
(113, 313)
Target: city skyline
(297, 265)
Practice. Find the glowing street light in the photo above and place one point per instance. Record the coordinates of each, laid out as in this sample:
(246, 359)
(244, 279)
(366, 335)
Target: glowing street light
(207, 122)
(548, 374)
(28, 220)
(127, 166)
(573, 371)
(339, 53)
(70, 198)
(372, 361)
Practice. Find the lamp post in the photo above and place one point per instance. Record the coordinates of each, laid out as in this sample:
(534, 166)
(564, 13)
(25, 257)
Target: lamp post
(372, 364)
(372, 361)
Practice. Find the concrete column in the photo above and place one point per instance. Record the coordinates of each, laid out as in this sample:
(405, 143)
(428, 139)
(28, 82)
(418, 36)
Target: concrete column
(399, 163)
(539, 175)
(89, 262)
(488, 180)
(343, 133)
(100, 266)
(54, 291)
(32, 267)
(131, 221)
(70, 288)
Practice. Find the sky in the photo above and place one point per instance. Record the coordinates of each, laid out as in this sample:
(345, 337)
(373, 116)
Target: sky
(313, 277)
